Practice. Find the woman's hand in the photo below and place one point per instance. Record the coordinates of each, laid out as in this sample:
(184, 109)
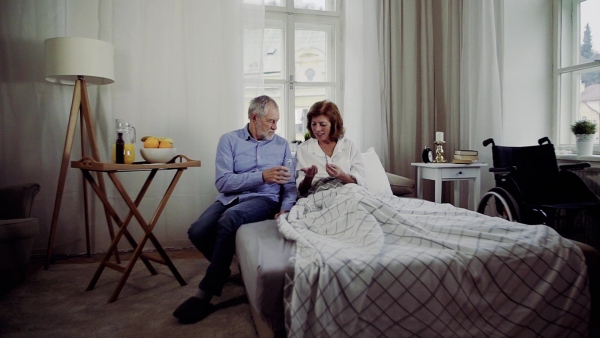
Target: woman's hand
(333, 170)
(279, 175)
(310, 171)
(309, 174)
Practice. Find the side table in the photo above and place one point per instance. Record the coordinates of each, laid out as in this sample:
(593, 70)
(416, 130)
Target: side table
(441, 172)
(88, 165)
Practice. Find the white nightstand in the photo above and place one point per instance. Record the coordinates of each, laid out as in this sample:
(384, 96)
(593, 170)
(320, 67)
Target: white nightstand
(440, 172)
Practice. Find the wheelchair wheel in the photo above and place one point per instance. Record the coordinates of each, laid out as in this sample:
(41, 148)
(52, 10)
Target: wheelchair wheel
(498, 202)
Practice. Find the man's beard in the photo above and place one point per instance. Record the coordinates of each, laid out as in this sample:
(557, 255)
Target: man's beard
(262, 135)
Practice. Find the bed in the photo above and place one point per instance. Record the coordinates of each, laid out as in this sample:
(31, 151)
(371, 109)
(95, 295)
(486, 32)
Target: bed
(351, 262)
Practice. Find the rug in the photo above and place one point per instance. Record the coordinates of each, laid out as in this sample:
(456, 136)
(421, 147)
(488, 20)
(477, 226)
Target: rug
(54, 303)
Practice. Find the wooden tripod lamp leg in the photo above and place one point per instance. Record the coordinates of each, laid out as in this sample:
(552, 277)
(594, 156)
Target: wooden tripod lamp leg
(80, 104)
(87, 117)
(63, 168)
(85, 194)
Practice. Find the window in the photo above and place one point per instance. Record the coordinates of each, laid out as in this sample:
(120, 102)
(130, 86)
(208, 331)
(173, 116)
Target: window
(577, 75)
(301, 59)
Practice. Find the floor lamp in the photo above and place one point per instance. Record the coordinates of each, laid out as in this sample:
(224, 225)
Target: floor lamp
(78, 62)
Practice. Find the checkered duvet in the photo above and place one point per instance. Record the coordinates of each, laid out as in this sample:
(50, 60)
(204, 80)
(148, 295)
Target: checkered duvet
(374, 265)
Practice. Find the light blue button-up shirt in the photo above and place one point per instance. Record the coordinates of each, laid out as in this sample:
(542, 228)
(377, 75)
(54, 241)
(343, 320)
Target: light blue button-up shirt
(239, 165)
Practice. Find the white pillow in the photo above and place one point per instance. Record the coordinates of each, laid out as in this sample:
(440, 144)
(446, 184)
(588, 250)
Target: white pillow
(377, 181)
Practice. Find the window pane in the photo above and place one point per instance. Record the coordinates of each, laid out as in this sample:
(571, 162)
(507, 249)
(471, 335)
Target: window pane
(589, 98)
(276, 93)
(252, 53)
(274, 53)
(580, 99)
(305, 98)
(579, 32)
(317, 5)
(590, 31)
(312, 55)
(278, 3)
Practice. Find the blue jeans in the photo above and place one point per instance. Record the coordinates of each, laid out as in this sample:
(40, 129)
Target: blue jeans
(213, 233)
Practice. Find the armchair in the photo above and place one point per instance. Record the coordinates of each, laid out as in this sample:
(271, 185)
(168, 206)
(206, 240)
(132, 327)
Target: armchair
(17, 229)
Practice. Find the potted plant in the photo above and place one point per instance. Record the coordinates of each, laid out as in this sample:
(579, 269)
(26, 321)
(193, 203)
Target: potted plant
(306, 135)
(584, 131)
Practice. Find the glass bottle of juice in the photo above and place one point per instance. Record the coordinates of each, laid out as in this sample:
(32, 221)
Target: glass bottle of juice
(120, 149)
(129, 153)
(126, 133)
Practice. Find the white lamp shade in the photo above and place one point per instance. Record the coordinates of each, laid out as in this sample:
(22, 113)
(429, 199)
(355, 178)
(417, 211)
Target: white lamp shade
(67, 58)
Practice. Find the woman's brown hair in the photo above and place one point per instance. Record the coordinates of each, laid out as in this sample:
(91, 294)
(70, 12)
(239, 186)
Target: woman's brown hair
(331, 111)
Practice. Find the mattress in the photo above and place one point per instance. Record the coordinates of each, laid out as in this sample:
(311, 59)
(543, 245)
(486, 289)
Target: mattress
(264, 255)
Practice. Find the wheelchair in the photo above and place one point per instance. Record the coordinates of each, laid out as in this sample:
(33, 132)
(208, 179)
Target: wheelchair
(532, 189)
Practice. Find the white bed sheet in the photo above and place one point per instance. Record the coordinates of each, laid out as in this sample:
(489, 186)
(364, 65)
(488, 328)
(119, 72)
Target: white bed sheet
(379, 265)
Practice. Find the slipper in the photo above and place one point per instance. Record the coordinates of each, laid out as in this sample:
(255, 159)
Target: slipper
(193, 310)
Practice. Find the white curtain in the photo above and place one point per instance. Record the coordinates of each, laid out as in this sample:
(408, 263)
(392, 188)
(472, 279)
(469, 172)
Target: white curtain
(481, 80)
(178, 68)
(362, 81)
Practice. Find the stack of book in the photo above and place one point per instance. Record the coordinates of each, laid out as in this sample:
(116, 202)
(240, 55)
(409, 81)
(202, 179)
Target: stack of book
(465, 156)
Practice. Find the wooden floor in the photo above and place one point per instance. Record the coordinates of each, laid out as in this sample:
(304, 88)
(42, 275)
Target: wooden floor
(13, 277)
(38, 261)
(124, 256)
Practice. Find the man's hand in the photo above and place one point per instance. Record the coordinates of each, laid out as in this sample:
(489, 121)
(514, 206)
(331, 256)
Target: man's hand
(279, 175)
(280, 213)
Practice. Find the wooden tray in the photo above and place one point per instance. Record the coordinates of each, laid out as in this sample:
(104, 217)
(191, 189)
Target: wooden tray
(177, 162)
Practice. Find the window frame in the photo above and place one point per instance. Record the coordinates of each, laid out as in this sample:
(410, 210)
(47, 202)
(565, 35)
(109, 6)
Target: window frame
(567, 41)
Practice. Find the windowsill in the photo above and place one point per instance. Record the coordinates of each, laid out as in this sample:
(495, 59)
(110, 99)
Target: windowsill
(593, 160)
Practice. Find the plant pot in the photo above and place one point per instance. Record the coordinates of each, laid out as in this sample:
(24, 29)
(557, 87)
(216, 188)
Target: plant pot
(585, 144)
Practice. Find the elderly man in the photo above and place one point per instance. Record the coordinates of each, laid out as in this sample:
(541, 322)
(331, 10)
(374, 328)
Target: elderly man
(253, 185)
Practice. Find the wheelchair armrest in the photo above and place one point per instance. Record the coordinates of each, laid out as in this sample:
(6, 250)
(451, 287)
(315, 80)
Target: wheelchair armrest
(504, 170)
(575, 166)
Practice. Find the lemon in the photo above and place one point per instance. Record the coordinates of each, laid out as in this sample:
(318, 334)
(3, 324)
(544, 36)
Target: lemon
(151, 142)
(165, 144)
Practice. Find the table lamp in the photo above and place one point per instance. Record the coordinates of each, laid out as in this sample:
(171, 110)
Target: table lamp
(77, 61)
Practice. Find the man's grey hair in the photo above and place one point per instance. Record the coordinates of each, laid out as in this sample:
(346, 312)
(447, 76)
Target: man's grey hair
(259, 106)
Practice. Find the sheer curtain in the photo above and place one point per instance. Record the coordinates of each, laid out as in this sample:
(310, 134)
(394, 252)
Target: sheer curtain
(178, 74)
(254, 29)
(362, 81)
(481, 80)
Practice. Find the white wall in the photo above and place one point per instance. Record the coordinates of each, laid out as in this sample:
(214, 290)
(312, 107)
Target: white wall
(177, 74)
(527, 73)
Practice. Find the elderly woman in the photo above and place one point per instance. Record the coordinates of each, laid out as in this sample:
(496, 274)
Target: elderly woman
(327, 158)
